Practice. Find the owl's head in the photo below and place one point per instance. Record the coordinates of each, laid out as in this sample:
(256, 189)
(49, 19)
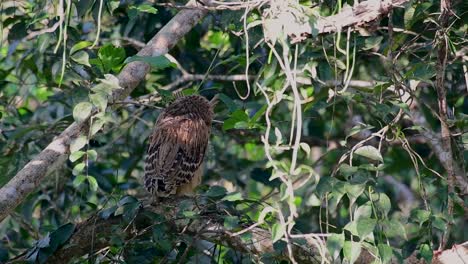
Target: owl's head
(193, 106)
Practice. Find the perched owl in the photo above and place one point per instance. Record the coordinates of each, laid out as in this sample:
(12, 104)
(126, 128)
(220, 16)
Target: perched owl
(177, 146)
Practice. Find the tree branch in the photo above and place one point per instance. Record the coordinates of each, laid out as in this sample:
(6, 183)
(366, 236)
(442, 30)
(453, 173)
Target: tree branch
(437, 145)
(28, 178)
(358, 15)
(95, 233)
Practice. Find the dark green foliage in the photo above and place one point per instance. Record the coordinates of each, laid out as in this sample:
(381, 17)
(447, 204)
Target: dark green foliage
(391, 198)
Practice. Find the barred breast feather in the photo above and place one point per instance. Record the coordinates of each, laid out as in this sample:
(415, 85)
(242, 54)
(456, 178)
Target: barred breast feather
(177, 145)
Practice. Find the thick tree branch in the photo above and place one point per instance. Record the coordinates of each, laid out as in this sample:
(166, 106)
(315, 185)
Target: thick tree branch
(358, 15)
(95, 233)
(28, 178)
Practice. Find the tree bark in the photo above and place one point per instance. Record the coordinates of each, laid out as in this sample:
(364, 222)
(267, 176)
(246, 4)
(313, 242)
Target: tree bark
(28, 178)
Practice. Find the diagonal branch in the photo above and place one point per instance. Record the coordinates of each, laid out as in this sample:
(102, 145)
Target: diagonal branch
(28, 178)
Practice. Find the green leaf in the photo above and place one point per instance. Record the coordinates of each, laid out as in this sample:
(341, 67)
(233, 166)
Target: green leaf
(325, 185)
(92, 154)
(93, 185)
(112, 6)
(107, 85)
(279, 136)
(216, 192)
(363, 211)
(420, 216)
(231, 222)
(408, 17)
(304, 146)
(258, 114)
(79, 46)
(354, 191)
(76, 155)
(365, 226)
(96, 125)
(369, 152)
(385, 252)
(393, 228)
(79, 180)
(99, 100)
(145, 8)
(189, 214)
(82, 111)
(158, 62)
(126, 200)
(78, 168)
(236, 117)
(372, 42)
(61, 235)
(232, 197)
(81, 57)
(347, 170)
(277, 232)
(130, 210)
(335, 243)
(231, 105)
(426, 252)
(382, 202)
(106, 213)
(44, 242)
(351, 250)
(439, 223)
(351, 227)
(78, 144)
(372, 167)
(111, 57)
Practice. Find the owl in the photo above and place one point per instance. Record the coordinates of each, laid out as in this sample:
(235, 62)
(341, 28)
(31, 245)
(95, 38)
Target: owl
(177, 146)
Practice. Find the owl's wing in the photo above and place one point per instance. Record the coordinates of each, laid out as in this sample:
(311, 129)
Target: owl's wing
(177, 148)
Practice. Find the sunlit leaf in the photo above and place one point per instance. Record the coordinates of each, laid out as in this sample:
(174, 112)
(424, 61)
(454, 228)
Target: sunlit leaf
(82, 111)
(79, 46)
(81, 57)
(74, 156)
(351, 250)
(78, 168)
(369, 152)
(93, 185)
(277, 232)
(99, 100)
(385, 252)
(426, 252)
(78, 143)
(335, 243)
(79, 180)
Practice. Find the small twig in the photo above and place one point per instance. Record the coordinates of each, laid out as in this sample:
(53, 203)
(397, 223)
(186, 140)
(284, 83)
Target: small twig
(34, 34)
(245, 230)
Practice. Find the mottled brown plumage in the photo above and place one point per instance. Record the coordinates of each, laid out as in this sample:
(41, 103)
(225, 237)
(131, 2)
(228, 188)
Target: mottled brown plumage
(177, 146)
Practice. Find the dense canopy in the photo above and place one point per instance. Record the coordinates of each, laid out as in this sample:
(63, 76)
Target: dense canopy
(340, 134)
